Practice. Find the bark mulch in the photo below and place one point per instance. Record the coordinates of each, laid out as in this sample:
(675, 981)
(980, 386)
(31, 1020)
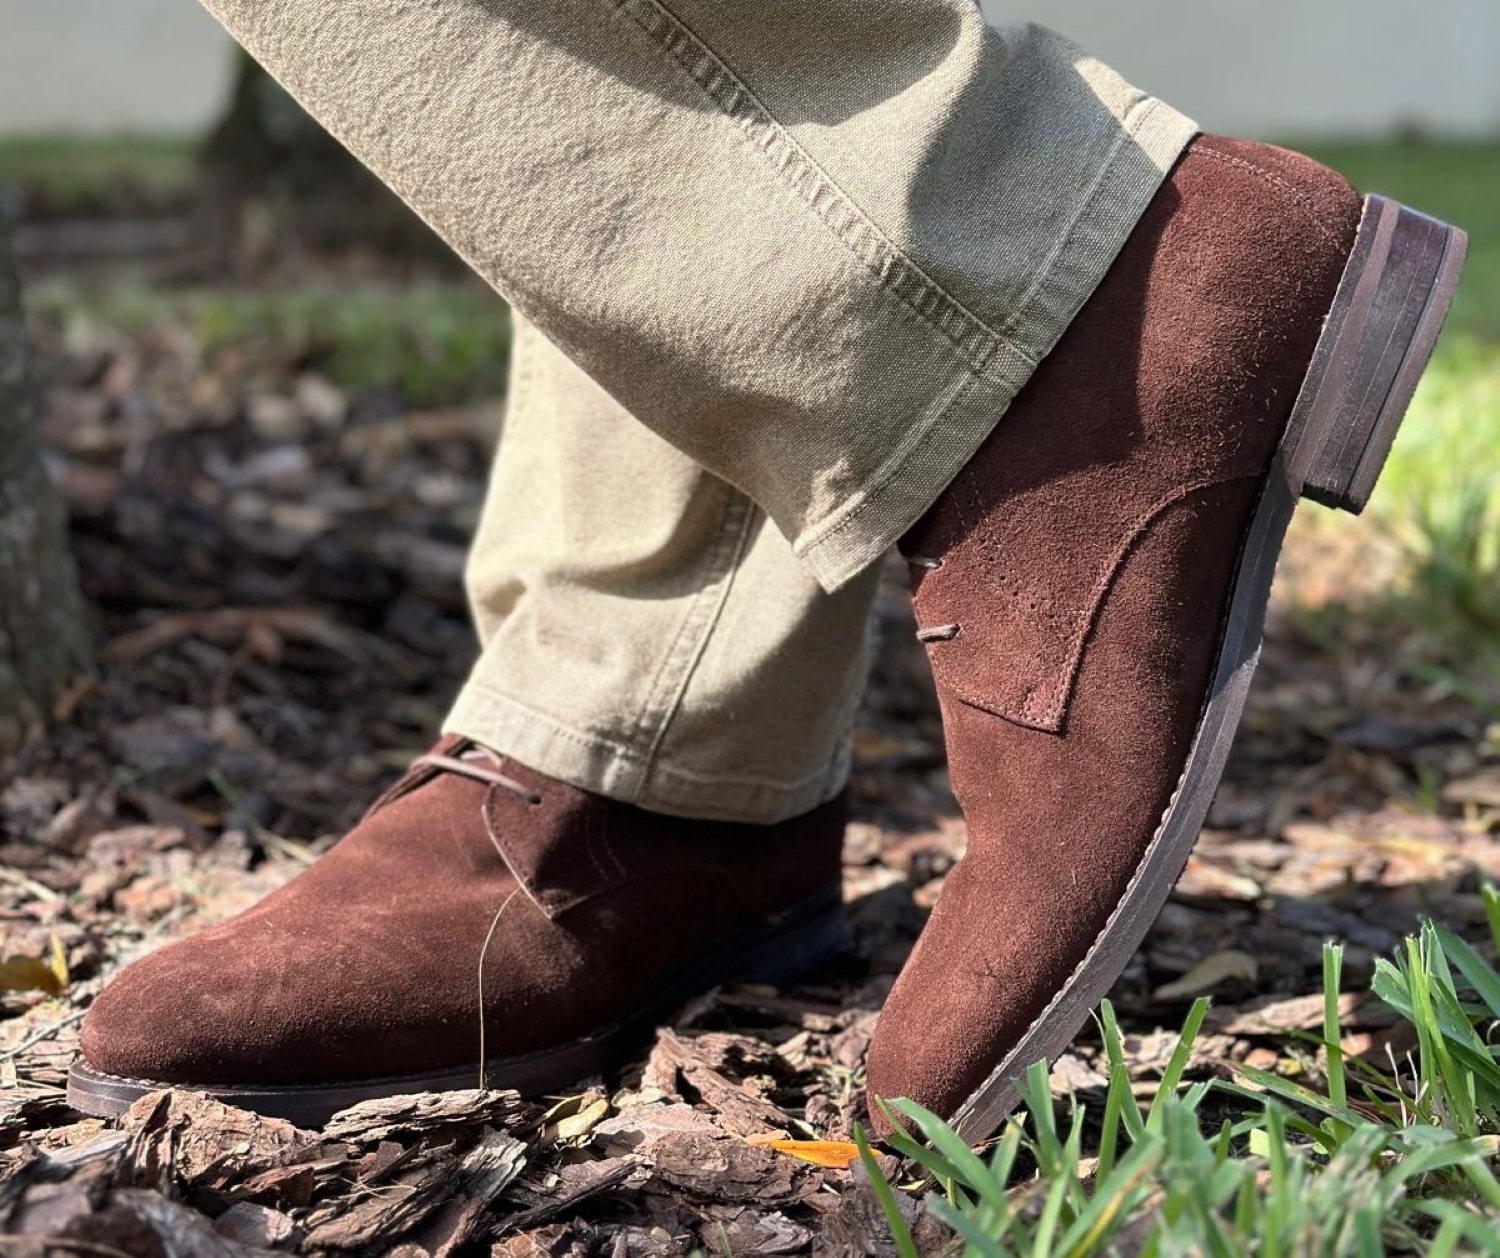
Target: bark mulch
(274, 562)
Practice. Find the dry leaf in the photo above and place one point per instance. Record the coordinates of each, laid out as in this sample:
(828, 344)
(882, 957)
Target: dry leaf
(576, 1128)
(32, 974)
(838, 1153)
(1210, 972)
(1483, 788)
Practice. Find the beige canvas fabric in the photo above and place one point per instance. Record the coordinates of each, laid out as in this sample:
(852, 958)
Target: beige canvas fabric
(645, 632)
(814, 247)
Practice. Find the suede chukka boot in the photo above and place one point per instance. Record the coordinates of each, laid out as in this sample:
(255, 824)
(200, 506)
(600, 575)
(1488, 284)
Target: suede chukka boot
(479, 913)
(1092, 587)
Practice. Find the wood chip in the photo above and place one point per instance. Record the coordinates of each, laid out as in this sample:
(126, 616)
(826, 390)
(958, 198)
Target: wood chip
(385, 1118)
(182, 1140)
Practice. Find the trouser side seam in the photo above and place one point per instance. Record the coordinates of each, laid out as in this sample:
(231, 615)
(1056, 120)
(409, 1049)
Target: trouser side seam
(817, 189)
(670, 680)
(740, 515)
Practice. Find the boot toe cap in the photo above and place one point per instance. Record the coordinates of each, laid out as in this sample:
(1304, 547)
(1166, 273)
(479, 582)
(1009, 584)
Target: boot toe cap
(164, 1019)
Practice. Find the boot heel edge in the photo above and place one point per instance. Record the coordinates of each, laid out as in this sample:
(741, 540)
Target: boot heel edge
(1379, 335)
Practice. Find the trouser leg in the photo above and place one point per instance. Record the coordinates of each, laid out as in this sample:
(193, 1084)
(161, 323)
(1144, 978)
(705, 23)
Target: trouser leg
(645, 633)
(817, 247)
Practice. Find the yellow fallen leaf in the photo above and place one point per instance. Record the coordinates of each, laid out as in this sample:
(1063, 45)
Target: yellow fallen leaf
(837, 1153)
(58, 963)
(30, 974)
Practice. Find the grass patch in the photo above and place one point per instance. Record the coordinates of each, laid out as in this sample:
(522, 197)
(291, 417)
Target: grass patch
(433, 343)
(72, 176)
(1369, 1163)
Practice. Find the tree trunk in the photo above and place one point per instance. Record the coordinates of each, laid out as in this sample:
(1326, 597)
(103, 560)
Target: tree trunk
(274, 179)
(44, 638)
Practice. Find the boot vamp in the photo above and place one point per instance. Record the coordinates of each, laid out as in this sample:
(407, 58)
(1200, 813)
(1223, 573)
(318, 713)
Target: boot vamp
(1058, 823)
(1081, 569)
(368, 964)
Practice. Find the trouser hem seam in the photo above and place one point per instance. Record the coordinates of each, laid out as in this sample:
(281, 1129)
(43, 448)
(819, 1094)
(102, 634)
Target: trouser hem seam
(597, 763)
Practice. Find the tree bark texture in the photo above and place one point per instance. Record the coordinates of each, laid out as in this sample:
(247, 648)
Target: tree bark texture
(44, 636)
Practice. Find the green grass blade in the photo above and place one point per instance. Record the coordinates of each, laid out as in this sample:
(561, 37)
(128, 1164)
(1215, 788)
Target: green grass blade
(1224, 1144)
(1445, 1083)
(1491, 898)
(1112, 1202)
(1445, 1243)
(1389, 983)
(1367, 1227)
(963, 1163)
(1428, 1161)
(994, 1216)
(929, 1159)
(1480, 974)
(1116, 1099)
(1333, 1034)
(1177, 1063)
(1293, 1093)
(1480, 1233)
(1051, 1217)
(980, 1241)
(1047, 1144)
(906, 1247)
(1003, 1159)
(1130, 1112)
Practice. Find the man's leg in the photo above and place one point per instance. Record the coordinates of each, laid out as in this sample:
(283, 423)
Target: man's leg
(646, 638)
(646, 634)
(827, 288)
(817, 247)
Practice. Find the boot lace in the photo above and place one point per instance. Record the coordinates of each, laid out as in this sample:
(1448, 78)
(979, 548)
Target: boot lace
(480, 764)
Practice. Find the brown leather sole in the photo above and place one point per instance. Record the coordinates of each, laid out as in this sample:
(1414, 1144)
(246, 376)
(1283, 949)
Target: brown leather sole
(803, 939)
(1379, 334)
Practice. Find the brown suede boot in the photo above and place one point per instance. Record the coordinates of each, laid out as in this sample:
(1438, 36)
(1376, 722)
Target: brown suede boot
(590, 920)
(1092, 587)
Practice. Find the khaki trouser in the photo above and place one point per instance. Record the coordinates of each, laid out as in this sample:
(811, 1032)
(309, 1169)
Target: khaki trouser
(791, 259)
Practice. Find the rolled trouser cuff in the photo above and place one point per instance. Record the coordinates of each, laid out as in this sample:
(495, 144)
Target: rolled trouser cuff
(595, 763)
(942, 441)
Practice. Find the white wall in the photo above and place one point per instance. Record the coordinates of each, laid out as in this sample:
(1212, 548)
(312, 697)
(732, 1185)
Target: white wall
(109, 65)
(1297, 67)
(1283, 67)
